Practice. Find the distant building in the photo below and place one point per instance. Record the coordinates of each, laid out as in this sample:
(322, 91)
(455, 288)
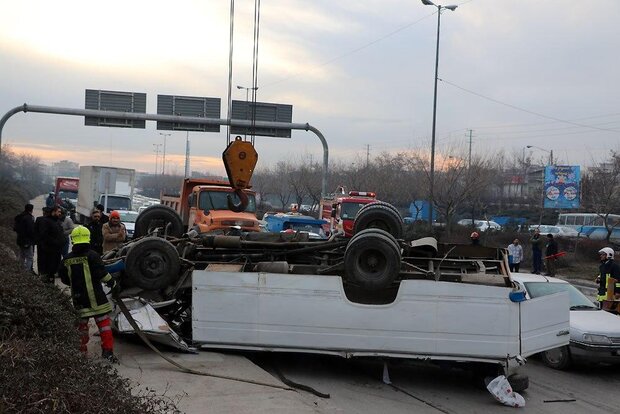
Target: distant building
(65, 168)
(523, 183)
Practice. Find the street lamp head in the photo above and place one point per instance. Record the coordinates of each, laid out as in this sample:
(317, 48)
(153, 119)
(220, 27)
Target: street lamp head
(240, 87)
(452, 7)
(528, 146)
(428, 3)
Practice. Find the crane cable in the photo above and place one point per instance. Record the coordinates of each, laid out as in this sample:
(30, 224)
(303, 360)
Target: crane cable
(255, 66)
(230, 66)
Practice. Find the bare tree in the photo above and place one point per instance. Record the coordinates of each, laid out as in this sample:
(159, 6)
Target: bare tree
(601, 191)
(457, 183)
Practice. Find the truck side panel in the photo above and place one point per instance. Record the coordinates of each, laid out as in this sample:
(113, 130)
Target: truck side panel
(312, 312)
(97, 180)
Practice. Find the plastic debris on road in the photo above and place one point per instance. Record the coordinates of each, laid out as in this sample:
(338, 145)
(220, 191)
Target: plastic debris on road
(502, 391)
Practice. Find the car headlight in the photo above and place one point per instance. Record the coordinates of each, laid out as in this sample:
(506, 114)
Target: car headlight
(596, 339)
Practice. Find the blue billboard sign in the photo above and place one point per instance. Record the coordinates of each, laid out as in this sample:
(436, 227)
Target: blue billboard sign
(562, 186)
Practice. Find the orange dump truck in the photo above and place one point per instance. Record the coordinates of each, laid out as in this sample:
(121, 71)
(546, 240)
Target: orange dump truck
(203, 203)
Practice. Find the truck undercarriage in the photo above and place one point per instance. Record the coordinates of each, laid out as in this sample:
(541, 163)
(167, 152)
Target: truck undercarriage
(238, 279)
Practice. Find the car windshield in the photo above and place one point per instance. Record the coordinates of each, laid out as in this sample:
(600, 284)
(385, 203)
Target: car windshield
(128, 216)
(72, 195)
(577, 299)
(218, 200)
(349, 210)
(116, 203)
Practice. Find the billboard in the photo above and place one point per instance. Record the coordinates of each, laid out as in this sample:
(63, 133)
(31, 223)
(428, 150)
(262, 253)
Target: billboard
(561, 187)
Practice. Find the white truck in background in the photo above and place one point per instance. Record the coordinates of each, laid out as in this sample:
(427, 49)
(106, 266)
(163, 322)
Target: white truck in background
(112, 187)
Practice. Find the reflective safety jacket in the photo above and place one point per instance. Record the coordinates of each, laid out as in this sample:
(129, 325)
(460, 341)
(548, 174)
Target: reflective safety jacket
(608, 270)
(84, 271)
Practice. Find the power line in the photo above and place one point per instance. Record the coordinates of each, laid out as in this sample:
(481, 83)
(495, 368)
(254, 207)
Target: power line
(547, 123)
(523, 109)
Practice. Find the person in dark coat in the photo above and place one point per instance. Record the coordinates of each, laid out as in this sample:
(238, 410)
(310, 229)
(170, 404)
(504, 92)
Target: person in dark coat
(550, 251)
(50, 240)
(609, 272)
(50, 201)
(104, 217)
(536, 242)
(24, 227)
(96, 231)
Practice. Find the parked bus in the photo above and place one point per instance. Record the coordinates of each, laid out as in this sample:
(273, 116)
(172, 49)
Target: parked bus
(592, 225)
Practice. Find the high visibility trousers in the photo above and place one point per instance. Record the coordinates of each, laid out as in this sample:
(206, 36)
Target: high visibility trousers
(105, 333)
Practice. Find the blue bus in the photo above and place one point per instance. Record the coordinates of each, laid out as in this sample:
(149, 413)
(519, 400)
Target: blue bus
(592, 225)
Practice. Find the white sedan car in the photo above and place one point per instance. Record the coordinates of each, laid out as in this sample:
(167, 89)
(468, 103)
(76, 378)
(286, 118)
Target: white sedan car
(480, 225)
(128, 218)
(557, 231)
(594, 333)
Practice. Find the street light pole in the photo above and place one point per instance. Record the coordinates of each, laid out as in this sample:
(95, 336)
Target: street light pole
(156, 151)
(163, 162)
(432, 169)
(545, 150)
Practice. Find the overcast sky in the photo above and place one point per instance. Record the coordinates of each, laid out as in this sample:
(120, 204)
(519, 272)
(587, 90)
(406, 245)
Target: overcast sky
(516, 72)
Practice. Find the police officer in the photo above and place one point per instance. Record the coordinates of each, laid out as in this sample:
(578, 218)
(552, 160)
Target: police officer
(607, 270)
(84, 271)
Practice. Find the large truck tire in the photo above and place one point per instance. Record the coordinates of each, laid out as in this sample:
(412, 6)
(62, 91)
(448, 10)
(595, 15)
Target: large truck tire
(372, 259)
(379, 215)
(158, 216)
(152, 263)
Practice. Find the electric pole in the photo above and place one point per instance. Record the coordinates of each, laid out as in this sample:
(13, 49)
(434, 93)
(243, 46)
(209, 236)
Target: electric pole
(469, 162)
(367, 155)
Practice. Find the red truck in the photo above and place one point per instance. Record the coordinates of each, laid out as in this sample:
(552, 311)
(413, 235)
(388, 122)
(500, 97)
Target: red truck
(66, 189)
(347, 205)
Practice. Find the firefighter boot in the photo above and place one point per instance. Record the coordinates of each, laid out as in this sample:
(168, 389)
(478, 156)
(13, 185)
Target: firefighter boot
(109, 356)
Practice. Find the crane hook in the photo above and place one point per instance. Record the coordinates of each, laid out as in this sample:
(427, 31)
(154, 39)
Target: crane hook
(243, 201)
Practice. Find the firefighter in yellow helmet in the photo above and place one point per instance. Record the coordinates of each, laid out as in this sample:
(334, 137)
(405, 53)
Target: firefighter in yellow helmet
(84, 271)
(609, 274)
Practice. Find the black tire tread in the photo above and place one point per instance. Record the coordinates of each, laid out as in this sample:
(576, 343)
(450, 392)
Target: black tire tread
(158, 212)
(379, 212)
(136, 254)
(358, 246)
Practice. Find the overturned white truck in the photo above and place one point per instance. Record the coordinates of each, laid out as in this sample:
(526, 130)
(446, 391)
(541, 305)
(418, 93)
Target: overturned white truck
(375, 294)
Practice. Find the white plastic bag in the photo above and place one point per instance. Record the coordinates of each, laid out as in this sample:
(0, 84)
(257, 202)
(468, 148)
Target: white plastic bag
(502, 391)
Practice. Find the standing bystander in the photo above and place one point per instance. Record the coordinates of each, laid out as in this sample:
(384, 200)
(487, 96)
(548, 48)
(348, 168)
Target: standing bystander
(551, 250)
(50, 240)
(104, 217)
(515, 253)
(114, 232)
(50, 201)
(67, 227)
(95, 226)
(536, 243)
(24, 227)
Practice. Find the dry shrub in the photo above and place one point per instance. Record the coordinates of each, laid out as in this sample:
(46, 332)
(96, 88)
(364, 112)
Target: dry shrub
(41, 368)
